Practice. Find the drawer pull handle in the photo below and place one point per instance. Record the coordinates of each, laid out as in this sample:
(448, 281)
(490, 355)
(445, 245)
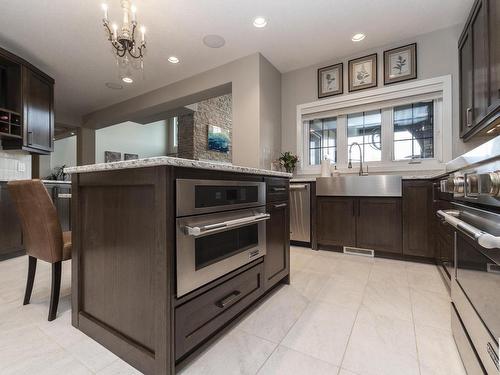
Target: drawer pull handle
(281, 205)
(227, 300)
(279, 189)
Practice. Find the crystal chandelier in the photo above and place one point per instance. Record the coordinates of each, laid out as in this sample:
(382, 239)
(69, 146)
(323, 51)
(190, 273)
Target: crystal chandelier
(129, 52)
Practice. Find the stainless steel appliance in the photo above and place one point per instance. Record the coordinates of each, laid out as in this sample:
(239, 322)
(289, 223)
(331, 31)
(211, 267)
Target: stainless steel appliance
(475, 286)
(220, 227)
(300, 212)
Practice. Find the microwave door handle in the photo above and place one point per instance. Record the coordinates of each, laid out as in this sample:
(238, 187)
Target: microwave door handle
(486, 240)
(225, 225)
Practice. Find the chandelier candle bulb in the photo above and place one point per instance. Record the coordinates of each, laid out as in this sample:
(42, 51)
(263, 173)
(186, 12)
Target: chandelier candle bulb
(134, 10)
(105, 9)
(115, 31)
(143, 31)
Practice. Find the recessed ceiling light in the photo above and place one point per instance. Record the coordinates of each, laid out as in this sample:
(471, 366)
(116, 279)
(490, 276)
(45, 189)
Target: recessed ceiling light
(260, 22)
(113, 86)
(173, 60)
(214, 41)
(358, 37)
(127, 79)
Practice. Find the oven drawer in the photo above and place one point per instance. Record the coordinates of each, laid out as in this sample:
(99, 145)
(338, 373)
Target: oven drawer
(202, 316)
(277, 189)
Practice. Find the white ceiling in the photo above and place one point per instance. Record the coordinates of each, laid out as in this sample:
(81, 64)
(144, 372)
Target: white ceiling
(65, 37)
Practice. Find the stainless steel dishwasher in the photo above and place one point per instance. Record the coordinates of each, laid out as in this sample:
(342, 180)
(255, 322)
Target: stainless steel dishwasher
(300, 212)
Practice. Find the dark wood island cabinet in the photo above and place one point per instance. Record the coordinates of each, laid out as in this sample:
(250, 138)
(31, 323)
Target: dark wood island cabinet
(125, 287)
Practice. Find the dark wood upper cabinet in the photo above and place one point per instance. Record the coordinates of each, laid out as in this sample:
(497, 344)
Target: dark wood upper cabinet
(417, 218)
(277, 258)
(336, 221)
(38, 111)
(479, 59)
(379, 224)
(26, 106)
(466, 82)
(494, 52)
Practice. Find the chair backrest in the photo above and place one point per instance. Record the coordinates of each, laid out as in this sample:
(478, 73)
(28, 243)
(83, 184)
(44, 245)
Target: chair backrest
(42, 233)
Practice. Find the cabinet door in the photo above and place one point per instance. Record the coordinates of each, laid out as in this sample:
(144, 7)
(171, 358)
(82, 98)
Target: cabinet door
(62, 201)
(277, 258)
(38, 111)
(480, 63)
(465, 56)
(494, 51)
(336, 221)
(417, 218)
(379, 224)
(10, 227)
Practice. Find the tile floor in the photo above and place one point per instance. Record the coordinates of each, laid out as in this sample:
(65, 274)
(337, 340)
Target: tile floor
(342, 315)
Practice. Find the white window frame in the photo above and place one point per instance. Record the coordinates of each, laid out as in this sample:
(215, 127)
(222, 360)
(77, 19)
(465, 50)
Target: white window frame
(439, 89)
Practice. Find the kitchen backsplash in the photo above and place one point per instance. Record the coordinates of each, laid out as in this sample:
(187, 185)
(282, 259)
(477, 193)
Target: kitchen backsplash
(14, 165)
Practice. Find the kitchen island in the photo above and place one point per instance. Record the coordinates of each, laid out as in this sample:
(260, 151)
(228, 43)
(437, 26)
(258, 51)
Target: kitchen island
(129, 240)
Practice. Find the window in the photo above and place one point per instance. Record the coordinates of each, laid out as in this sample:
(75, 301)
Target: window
(365, 129)
(322, 140)
(414, 131)
(394, 126)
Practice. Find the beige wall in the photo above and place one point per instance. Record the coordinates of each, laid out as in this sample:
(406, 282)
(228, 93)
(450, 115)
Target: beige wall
(242, 74)
(437, 55)
(270, 113)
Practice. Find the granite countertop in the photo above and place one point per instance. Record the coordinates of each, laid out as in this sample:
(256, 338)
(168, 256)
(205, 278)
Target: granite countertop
(176, 162)
(55, 182)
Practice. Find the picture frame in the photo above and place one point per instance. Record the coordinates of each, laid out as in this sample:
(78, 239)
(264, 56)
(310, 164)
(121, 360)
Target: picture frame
(130, 156)
(112, 156)
(219, 139)
(400, 64)
(331, 80)
(363, 73)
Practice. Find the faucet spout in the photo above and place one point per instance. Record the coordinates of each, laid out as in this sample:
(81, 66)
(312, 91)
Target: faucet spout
(361, 172)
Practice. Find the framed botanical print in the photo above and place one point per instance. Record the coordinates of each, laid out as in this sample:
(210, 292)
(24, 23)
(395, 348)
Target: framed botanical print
(400, 64)
(363, 73)
(331, 80)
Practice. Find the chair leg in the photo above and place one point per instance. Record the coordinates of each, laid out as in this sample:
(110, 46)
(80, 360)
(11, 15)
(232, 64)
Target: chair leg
(30, 280)
(56, 287)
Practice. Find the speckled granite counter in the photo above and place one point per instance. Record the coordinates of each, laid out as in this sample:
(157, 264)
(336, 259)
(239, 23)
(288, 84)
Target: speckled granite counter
(176, 162)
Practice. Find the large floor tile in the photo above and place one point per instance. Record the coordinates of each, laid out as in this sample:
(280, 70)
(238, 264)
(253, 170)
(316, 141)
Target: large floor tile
(322, 331)
(381, 345)
(426, 277)
(342, 291)
(91, 354)
(437, 352)
(431, 309)
(385, 298)
(119, 367)
(236, 353)
(308, 283)
(321, 264)
(273, 319)
(286, 361)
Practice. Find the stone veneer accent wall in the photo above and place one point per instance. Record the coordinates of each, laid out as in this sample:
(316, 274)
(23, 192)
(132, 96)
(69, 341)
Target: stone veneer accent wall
(193, 129)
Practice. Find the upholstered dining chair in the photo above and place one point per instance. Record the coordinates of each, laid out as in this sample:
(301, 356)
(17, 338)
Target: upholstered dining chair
(42, 235)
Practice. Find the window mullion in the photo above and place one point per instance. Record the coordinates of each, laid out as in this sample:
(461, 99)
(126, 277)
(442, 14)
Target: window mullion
(342, 141)
(387, 135)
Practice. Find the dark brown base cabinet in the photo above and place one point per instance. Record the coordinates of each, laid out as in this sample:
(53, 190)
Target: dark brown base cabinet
(11, 238)
(417, 218)
(277, 258)
(123, 267)
(372, 223)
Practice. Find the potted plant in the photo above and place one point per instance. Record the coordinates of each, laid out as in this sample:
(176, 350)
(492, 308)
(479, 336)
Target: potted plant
(288, 161)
